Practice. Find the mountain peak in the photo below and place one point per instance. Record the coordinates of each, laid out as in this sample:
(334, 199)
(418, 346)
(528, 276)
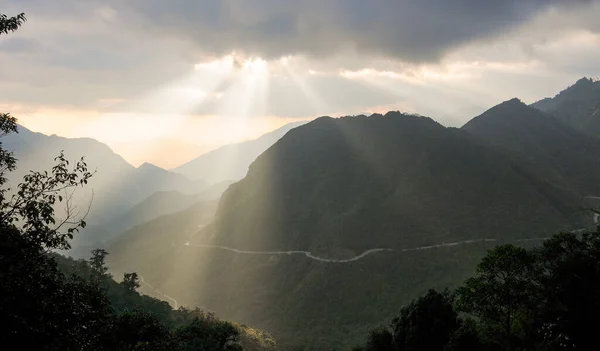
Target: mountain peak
(577, 105)
(149, 166)
(513, 113)
(514, 102)
(584, 81)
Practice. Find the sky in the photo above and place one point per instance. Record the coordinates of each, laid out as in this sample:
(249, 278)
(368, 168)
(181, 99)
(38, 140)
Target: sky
(164, 81)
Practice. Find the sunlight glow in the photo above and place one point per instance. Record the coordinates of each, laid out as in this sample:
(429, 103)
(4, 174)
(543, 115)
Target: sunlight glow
(223, 65)
(256, 66)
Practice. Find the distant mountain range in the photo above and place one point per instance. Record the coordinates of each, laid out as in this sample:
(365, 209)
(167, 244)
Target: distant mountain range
(230, 162)
(426, 201)
(123, 196)
(115, 187)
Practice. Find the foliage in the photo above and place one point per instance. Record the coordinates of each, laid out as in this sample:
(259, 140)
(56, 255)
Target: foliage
(131, 281)
(10, 24)
(500, 292)
(538, 299)
(425, 324)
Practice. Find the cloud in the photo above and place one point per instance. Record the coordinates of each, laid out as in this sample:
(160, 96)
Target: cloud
(20, 46)
(408, 30)
(444, 58)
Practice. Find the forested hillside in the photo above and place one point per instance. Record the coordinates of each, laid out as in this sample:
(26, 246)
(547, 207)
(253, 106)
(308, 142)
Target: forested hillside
(346, 217)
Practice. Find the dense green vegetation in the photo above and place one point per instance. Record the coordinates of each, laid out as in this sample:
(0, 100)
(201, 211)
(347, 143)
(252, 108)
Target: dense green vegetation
(538, 299)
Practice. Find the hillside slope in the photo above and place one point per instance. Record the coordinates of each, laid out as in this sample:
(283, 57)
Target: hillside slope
(356, 183)
(578, 106)
(557, 152)
(230, 162)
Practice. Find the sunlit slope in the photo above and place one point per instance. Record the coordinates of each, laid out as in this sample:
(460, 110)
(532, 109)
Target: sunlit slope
(162, 203)
(151, 248)
(578, 106)
(342, 186)
(230, 162)
(557, 152)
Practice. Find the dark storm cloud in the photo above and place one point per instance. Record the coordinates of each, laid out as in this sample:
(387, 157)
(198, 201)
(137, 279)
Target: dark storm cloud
(409, 30)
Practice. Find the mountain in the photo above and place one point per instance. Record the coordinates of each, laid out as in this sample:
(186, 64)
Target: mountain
(558, 153)
(231, 161)
(578, 106)
(115, 187)
(341, 219)
(162, 203)
(153, 243)
(405, 180)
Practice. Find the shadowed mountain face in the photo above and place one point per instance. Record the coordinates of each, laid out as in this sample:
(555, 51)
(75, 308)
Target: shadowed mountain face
(578, 106)
(356, 183)
(116, 186)
(231, 162)
(554, 150)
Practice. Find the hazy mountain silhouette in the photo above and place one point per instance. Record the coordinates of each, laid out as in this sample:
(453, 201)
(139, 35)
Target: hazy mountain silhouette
(578, 106)
(116, 186)
(154, 243)
(162, 203)
(230, 162)
(557, 152)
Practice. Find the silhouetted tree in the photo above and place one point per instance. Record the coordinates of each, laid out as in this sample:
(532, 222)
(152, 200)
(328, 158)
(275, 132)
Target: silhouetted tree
(139, 331)
(500, 294)
(11, 24)
(99, 271)
(131, 281)
(569, 277)
(427, 323)
(208, 334)
(465, 338)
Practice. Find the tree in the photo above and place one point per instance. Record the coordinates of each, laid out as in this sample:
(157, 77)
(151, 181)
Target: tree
(380, 339)
(569, 281)
(500, 294)
(11, 24)
(427, 323)
(465, 338)
(206, 333)
(98, 265)
(131, 281)
(138, 331)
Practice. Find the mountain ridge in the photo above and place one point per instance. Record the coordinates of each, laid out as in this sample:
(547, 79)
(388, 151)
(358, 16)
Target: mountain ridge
(230, 162)
(578, 105)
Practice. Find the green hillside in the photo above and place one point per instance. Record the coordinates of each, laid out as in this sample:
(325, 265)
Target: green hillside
(337, 188)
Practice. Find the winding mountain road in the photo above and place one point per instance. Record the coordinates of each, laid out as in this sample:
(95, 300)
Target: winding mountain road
(331, 260)
(159, 293)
